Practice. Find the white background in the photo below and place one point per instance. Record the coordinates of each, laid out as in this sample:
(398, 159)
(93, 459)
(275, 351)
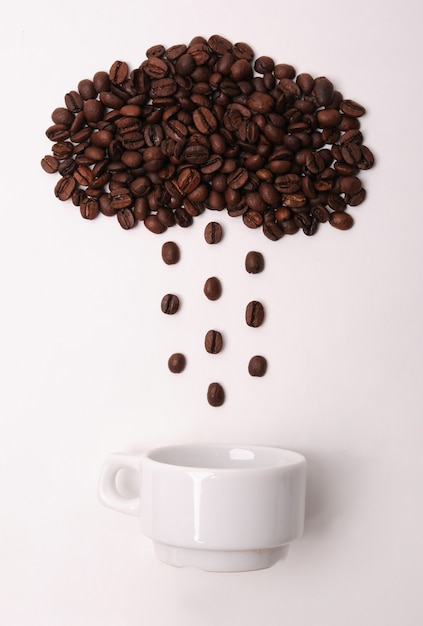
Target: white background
(84, 345)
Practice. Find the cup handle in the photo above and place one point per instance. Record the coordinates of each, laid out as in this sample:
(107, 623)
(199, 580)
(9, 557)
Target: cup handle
(108, 492)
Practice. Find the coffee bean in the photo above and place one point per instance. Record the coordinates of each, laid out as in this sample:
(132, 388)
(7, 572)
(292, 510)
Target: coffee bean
(125, 217)
(89, 208)
(50, 164)
(215, 394)
(213, 233)
(176, 363)
(257, 366)
(213, 288)
(118, 72)
(188, 180)
(323, 91)
(254, 262)
(170, 253)
(213, 341)
(170, 304)
(204, 120)
(272, 230)
(341, 220)
(153, 224)
(65, 187)
(352, 108)
(254, 314)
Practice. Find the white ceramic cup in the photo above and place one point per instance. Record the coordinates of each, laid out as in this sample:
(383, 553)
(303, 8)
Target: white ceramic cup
(218, 507)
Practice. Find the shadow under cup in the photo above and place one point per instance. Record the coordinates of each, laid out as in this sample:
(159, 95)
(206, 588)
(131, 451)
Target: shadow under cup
(218, 507)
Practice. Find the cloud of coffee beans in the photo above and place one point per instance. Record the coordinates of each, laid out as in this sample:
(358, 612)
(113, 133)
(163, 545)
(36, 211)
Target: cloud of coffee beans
(205, 126)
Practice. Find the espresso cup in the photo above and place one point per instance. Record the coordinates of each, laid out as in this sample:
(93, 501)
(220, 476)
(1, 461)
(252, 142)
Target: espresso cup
(217, 507)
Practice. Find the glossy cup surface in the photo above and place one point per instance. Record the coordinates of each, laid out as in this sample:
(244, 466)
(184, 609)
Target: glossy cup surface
(222, 507)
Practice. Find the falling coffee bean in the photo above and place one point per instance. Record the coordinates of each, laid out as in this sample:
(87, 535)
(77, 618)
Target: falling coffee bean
(176, 363)
(254, 314)
(257, 366)
(215, 394)
(170, 253)
(254, 262)
(213, 233)
(170, 304)
(213, 341)
(213, 288)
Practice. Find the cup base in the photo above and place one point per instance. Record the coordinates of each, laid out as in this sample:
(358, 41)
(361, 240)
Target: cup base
(220, 560)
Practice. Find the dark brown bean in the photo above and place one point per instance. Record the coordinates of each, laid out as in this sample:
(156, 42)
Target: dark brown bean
(213, 342)
(215, 394)
(89, 208)
(204, 120)
(213, 233)
(212, 288)
(50, 164)
(352, 108)
(177, 363)
(65, 187)
(254, 314)
(170, 253)
(257, 366)
(170, 304)
(254, 262)
(341, 220)
(125, 217)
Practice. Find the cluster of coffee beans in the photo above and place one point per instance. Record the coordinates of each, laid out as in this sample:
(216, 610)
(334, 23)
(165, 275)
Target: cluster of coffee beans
(205, 125)
(213, 340)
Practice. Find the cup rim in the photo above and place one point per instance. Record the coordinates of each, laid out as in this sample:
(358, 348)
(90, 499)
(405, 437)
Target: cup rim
(242, 457)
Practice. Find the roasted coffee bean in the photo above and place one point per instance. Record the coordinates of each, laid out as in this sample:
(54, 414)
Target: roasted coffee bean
(153, 224)
(204, 120)
(121, 198)
(349, 184)
(213, 233)
(188, 180)
(50, 164)
(257, 366)
(118, 72)
(125, 217)
(321, 213)
(367, 159)
(212, 288)
(213, 341)
(203, 126)
(328, 118)
(356, 198)
(254, 262)
(170, 253)
(170, 304)
(352, 153)
(58, 132)
(341, 220)
(260, 102)
(252, 219)
(65, 187)
(176, 362)
(215, 394)
(354, 109)
(238, 178)
(89, 208)
(254, 314)
(74, 101)
(219, 44)
(323, 91)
